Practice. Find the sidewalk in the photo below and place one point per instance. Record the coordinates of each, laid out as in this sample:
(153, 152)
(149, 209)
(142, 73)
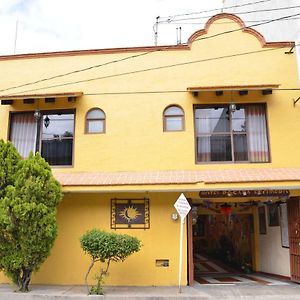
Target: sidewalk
(197, 291)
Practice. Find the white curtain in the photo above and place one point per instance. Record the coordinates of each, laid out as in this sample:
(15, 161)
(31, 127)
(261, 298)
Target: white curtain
(258, 149)
(203, 123)
(23, 133)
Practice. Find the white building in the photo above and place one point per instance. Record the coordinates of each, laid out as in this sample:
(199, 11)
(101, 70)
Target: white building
(265, 10)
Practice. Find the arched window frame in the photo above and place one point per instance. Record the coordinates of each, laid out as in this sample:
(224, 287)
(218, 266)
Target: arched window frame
(173, 116)
(88, 120)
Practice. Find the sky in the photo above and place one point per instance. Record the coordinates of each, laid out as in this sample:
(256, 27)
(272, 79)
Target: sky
(61, 25)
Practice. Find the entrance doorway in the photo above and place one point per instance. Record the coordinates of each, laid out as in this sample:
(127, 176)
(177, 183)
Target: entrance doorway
(223, 238)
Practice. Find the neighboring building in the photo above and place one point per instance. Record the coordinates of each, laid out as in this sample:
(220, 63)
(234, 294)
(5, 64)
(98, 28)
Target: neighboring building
(287, 29)
(216, 119)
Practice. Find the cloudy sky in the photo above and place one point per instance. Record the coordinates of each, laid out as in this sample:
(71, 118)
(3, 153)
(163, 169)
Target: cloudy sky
(54, 25)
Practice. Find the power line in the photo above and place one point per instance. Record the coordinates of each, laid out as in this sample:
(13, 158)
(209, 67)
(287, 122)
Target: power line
(216, 9)
(154, 68)
(238, 13)
(130, 57)
(78, 71)
(229, 22)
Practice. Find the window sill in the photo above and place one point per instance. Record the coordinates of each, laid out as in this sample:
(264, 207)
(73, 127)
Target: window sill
(229, 162)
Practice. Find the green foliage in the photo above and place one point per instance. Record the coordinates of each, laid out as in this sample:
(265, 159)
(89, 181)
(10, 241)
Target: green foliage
(28, 225)
(106, 247)
(9, 159)
(97, 289)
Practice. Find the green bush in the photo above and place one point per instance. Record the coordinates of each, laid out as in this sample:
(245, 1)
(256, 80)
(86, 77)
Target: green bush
(106, 247)
(29, 196)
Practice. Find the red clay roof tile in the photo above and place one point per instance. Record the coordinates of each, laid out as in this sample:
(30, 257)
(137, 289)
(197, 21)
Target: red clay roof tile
(177, 177)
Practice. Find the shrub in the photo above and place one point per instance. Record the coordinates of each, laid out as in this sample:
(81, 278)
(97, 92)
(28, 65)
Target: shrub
(106, 247)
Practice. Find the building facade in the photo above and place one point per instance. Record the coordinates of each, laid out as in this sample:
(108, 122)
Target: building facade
(126, 131)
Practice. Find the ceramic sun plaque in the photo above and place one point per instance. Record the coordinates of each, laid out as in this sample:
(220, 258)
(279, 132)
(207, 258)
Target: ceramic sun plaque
(130, 213)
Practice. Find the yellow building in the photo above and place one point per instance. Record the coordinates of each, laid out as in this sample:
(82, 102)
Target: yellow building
(128, 130)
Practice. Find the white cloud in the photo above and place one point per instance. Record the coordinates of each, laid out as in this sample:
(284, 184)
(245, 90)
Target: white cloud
(53, 25)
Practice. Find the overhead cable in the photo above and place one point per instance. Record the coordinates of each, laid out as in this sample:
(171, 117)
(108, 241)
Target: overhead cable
(134, 56)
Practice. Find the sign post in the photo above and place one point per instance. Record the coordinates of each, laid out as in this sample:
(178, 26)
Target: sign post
(183, 207)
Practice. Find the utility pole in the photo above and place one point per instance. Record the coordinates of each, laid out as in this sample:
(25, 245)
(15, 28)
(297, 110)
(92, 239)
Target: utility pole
(156, 31)
(178, 35)
(16, 36)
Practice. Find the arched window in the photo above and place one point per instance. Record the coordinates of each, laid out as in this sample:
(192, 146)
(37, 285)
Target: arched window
(173, 118)
(95, 121)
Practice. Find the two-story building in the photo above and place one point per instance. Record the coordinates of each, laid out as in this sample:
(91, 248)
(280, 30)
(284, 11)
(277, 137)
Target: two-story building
(128, 130)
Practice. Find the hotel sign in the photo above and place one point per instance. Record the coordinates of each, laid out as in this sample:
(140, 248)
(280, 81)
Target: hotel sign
(244, 193)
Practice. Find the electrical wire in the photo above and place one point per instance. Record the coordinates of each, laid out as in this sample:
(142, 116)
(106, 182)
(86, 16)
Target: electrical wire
(216, 9)
(250, 26)
(78, 71)
(237, 13)
(152, 69)
(127, 58)
(229, 22)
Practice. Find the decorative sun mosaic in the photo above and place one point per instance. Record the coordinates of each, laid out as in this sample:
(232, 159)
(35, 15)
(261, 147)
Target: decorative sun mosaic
(130, 213)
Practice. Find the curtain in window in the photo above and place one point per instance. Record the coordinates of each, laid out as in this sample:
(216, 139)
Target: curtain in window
(258, 149)
(203, 124)
(204, 148)
(23, 133)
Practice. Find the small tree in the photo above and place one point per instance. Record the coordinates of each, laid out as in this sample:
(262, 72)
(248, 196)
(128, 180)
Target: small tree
(9, 159)
(28, 226)
(106, 247)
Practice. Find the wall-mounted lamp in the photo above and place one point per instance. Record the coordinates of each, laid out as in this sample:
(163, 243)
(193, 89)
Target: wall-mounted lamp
(37, 115)
(174, 216)
(232, 107)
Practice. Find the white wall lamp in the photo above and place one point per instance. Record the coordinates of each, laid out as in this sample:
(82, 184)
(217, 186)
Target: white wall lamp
(37, 115)
(174, 216)
(232, 107)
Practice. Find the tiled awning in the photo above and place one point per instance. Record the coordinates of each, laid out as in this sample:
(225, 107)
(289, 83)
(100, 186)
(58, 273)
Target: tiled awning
(178, 177)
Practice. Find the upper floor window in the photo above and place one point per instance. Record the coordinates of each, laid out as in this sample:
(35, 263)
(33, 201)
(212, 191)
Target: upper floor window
(236, 133)
(173, 118)
(50, 133)
(95, 121)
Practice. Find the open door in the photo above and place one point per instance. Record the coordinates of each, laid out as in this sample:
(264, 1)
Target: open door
(293, 206)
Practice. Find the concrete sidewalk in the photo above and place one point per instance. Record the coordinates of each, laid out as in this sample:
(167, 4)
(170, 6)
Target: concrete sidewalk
(197, 291)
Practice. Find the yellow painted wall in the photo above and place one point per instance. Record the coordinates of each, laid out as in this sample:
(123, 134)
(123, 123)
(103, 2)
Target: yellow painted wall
(80, 212)
(135, 141)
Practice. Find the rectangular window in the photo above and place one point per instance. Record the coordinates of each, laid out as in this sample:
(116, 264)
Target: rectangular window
(231, 133)
(52, 135)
